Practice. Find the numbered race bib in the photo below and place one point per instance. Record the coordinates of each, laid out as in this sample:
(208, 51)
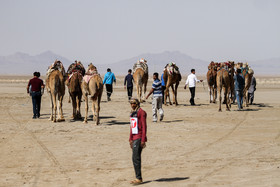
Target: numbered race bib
(134, 125)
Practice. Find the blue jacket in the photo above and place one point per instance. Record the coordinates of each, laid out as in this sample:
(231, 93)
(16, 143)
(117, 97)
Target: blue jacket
(239, 82)
(162, 81)
(109, 78)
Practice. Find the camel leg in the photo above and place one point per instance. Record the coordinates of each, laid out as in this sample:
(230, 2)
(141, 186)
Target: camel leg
(60, 108)
(86, 108)
(51, 117)
(220, 100)
(210, 90)
(79, 97)
(145, 88)
(140, 94)
(55, 107)
(226, 98)
(98, 109)
(93, 109)
(214, 94)
(175, 92)
(74, 105)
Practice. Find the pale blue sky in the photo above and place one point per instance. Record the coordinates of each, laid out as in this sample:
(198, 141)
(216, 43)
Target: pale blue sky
(107, 31)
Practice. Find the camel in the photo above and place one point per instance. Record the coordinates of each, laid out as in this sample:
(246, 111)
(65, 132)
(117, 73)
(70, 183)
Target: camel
(55, 84)
(140, 76)
(224, 81)
(171, 76)
(247, 74)
(211, 80)
(94, 88)
(74, 84)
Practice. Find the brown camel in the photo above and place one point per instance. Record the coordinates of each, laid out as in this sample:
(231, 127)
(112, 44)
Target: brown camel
(55, 84)
(211, 80)
(247, 74)
(74, 83)
(75, 92)
(141, 79)
(224, 81)
(94, 88)
(171, 76)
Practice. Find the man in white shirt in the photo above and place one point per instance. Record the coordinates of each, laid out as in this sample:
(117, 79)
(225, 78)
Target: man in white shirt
(191, 81)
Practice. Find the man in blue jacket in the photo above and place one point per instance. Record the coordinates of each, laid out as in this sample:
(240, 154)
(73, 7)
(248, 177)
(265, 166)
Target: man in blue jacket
(239, 83)
(109, 78)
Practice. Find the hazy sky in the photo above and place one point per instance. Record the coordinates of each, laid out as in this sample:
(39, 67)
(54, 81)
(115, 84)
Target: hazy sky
(107, 31)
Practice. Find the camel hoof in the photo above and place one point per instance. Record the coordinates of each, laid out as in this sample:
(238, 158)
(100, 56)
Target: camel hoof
(85, 122)
(220, 110)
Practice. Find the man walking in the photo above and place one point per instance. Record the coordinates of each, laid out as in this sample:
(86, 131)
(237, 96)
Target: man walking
(34, 88)
(239, 83)
(252, 90)
(137, 138)
(157, 98)
(191, 81)
(163, 87)
(129, 84)
(109, 78)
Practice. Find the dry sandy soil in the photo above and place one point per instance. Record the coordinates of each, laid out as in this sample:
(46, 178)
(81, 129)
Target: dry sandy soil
(192, 146)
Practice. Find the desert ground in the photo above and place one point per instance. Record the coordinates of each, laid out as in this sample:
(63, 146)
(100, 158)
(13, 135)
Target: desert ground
(192, 146)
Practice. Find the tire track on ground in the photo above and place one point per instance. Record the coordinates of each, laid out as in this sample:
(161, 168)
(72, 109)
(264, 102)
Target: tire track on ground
(221, 138)
(48, 153)
(233, 160)
(21, 127)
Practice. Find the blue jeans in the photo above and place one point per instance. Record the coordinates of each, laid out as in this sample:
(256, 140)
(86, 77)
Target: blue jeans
(239, 98)
(36, 101)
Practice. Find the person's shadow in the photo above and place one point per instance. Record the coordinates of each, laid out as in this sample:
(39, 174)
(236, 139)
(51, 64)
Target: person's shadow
(173, 179)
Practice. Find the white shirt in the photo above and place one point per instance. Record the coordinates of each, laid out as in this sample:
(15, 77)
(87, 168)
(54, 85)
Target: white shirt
(192, 80)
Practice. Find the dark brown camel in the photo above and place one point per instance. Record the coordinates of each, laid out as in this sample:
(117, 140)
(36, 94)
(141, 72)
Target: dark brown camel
(75, 73)
(171, 76)
(211, 80)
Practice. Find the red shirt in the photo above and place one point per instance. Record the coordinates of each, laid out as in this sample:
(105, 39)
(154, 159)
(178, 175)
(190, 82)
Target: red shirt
(142, 127)
(36, 84)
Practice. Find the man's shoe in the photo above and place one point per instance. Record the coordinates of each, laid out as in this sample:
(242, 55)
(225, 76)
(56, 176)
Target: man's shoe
(34, 117)
(161, 118)
(136, 182)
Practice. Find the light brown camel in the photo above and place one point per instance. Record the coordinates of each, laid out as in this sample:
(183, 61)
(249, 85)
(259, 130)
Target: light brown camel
(224, 83)
(141, 79)
(211, 80)
(171, 76)
(94, 88)
(55, 84)
(247, 74)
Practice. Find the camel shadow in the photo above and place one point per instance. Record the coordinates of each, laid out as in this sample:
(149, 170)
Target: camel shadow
(173, 179)
(261, 105)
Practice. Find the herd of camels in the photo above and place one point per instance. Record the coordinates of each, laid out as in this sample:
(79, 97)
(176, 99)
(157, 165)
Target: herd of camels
(84, 83)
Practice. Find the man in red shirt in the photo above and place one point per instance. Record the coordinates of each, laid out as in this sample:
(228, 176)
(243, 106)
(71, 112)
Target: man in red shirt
(34, 88)
(137, 138)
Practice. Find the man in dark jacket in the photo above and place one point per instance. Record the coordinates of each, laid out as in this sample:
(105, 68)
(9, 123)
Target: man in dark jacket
(128, 81)
(34, 88)
(239, 83)
(137, 138)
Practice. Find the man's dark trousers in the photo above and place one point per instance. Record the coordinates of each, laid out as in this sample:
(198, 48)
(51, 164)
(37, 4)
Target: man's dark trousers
(36, 101)
(136, 158)
(129, 92)
(109, 89)
(192, 90)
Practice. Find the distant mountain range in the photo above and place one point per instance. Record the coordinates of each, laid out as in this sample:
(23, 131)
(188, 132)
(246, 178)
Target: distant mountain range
(24, 64)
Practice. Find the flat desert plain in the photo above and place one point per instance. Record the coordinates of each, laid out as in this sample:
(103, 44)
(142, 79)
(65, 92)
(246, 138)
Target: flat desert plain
(192, 146)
